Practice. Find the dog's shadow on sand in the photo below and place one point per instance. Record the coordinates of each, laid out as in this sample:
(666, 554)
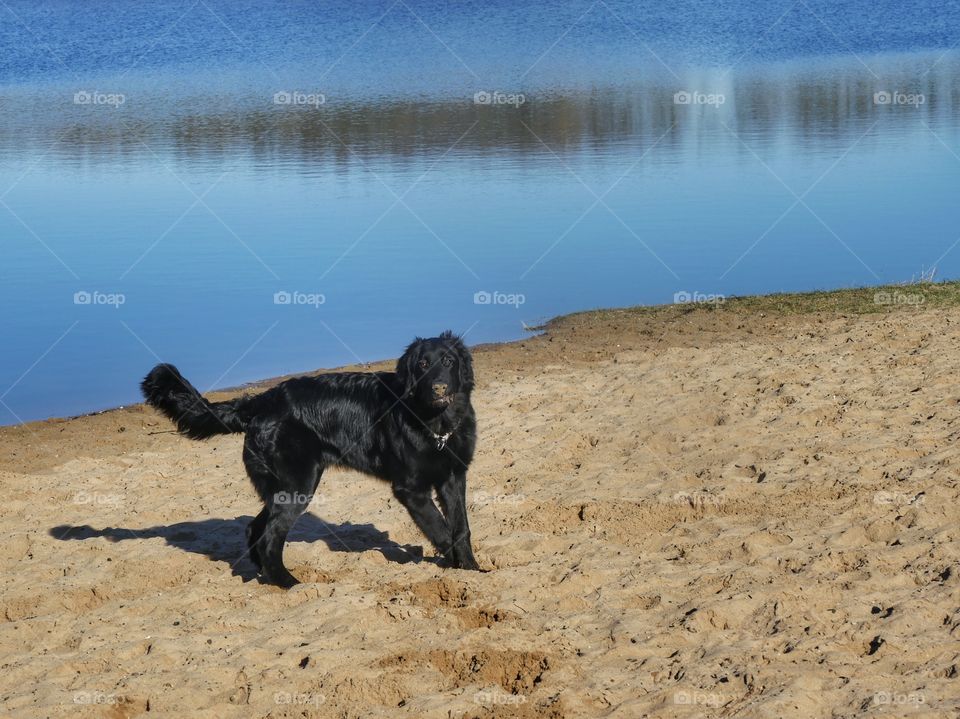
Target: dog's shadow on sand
(224, 540)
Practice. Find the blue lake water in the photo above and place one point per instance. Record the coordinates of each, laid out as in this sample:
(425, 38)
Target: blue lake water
(250, 189)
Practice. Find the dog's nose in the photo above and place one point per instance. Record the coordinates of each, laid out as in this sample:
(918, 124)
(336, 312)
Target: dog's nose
(439, 389)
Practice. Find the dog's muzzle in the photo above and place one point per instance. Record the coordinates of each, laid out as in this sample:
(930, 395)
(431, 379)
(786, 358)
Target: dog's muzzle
(441, 397)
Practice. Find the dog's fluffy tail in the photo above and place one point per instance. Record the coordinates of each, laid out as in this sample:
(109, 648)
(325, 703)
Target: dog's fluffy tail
(166, 390)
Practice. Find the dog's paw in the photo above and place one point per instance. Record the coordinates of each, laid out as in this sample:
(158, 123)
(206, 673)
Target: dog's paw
(469, 564)
(284, 580)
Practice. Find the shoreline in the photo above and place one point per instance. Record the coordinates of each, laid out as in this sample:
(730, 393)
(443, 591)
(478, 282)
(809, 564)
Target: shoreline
(857, 300)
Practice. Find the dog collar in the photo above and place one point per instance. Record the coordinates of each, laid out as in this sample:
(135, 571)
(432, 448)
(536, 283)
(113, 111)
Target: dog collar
(442, 439)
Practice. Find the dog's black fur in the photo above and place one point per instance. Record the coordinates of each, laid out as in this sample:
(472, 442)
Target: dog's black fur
(392, 425)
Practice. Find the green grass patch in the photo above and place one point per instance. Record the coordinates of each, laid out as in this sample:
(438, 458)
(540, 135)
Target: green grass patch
(859, 300)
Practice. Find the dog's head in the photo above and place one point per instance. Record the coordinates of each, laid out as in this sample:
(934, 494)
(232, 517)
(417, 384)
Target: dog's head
(434, 372)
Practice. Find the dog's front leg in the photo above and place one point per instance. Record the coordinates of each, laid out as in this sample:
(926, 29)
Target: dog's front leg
(453, 499)
(427, 517)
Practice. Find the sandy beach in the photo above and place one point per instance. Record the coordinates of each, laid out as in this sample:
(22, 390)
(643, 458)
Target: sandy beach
(748, 510)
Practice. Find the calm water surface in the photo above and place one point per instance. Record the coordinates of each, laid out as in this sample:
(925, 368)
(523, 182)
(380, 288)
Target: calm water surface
(249, 189)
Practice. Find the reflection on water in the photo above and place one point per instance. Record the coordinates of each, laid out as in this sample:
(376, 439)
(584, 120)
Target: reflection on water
(183, 210)
(830, 102)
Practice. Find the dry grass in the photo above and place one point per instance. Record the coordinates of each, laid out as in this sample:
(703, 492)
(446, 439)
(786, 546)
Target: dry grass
(857, 301)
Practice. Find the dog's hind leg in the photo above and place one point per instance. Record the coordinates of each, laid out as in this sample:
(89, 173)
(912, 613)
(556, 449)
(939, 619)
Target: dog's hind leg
(296, 473)
(282, 461)
(281, 519)
(254, 535)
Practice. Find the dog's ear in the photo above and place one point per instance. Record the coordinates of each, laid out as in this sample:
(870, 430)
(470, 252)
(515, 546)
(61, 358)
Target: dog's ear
(406, 366)
(465, 361)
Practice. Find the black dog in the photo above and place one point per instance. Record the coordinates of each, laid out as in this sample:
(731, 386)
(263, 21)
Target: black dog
(414, 428)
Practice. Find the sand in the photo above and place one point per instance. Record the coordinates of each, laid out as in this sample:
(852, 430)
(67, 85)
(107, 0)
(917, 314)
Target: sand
(702, 514)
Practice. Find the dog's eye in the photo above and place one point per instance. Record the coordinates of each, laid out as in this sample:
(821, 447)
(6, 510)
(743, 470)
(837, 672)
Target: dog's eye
(423, 364)
(447, 361)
